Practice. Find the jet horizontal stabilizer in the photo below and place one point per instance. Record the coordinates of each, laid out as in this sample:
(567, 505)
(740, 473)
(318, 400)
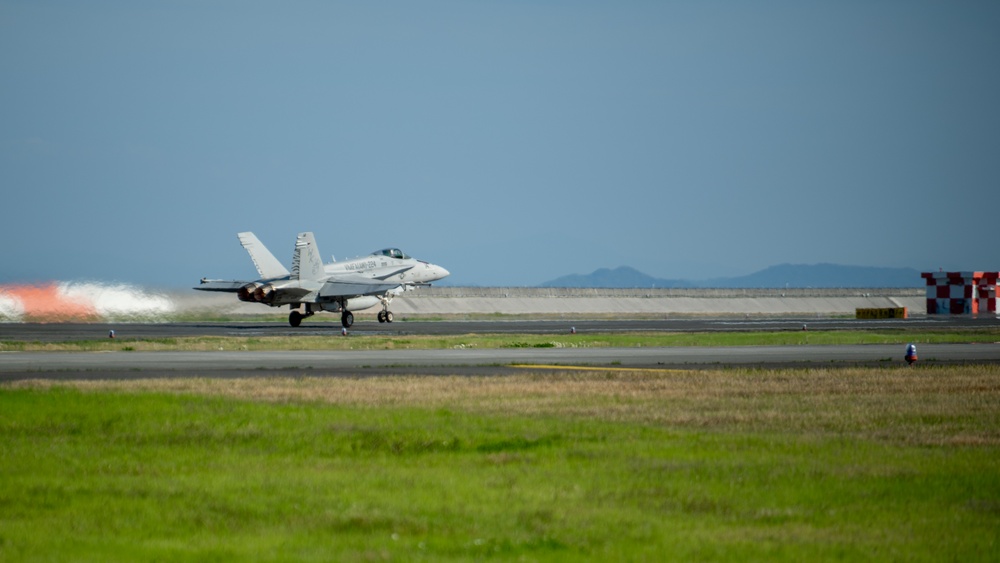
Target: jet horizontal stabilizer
(229, 286)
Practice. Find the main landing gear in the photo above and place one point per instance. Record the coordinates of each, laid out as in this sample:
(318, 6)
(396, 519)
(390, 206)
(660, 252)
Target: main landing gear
(295, 317)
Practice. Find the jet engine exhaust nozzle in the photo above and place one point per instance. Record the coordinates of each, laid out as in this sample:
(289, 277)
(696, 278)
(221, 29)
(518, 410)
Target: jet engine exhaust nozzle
(246, 293)
(265, 294)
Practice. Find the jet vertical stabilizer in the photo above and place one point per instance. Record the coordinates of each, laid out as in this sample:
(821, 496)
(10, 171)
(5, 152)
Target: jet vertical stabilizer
(306, 263)
(267, 265)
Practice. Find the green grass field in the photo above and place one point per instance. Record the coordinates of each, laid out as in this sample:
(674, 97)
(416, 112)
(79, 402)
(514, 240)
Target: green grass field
(857, 464)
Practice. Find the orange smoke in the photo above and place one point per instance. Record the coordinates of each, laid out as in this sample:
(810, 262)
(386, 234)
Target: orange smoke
(48, 303)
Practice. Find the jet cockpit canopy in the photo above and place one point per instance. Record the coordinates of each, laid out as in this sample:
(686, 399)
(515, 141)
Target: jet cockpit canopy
(392, 253)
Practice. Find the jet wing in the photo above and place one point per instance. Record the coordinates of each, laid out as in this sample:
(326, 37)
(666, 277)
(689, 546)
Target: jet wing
(354, 288)
(228, 286)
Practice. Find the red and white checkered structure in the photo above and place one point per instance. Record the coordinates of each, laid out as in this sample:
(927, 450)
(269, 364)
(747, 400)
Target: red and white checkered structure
(986, 292)
(961, 293)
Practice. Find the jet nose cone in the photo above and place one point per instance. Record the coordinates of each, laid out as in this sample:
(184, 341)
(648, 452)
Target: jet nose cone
(430, 272)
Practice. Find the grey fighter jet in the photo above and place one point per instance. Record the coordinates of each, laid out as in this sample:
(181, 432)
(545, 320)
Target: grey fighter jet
(341, 287)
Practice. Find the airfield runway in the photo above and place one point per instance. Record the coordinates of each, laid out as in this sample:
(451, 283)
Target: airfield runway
(362, 363)
(63, 332)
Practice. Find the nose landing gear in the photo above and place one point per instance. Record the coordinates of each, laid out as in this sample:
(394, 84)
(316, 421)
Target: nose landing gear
(385, 315)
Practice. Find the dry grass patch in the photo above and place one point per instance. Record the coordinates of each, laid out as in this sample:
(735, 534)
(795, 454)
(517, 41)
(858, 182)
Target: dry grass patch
(941, 405)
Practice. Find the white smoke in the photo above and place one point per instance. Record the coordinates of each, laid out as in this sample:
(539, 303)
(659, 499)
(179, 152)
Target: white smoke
(10, 308)
(119, 301)
(94, 301)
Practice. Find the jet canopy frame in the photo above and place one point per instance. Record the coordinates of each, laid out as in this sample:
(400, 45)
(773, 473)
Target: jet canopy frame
(392, 253)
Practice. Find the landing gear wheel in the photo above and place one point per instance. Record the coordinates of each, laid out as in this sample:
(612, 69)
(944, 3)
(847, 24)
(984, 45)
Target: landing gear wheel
(347, 319)
(295, 318)
(388, 316)
(381, 316)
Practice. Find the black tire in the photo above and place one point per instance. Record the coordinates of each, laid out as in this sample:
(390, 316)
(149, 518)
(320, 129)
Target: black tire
(295, 318)
(388, 316)
(347, 319)
(381, 316)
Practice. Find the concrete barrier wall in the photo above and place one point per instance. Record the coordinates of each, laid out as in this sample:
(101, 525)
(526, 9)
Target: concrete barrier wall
(491, 292)
(555, 301)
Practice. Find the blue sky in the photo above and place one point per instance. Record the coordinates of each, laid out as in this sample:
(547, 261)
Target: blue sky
(510, 141)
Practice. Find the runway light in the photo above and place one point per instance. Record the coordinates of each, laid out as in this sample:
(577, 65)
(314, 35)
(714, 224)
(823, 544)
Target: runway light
(111, 334)
(343, 331)
(911, 355)
(572, 330)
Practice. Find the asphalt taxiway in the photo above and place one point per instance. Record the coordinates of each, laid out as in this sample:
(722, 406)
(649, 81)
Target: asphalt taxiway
(361, 363)
(63, 332)
(224, 363)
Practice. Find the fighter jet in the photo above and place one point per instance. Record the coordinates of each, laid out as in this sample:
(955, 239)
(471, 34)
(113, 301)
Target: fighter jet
(311, 286)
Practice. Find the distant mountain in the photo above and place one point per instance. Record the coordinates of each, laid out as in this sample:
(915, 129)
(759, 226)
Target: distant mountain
(784, 275)
(623, 276)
